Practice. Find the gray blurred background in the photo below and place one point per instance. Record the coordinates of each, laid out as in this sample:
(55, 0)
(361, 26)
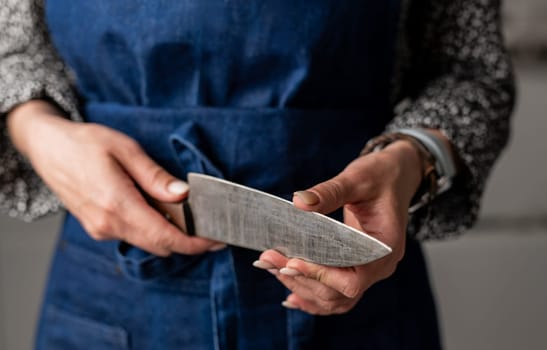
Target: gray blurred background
(491, 284)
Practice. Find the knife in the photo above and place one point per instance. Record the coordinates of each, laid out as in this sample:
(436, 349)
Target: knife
(228, 212)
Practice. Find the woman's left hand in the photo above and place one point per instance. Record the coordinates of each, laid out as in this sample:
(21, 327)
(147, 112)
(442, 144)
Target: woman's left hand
(375, 191)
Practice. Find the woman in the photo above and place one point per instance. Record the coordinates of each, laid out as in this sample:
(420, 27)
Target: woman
(277, 95)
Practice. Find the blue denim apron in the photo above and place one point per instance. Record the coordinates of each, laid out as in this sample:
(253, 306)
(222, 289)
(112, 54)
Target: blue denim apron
(278, 95)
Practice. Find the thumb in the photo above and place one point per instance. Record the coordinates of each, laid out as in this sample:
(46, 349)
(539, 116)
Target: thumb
(151, 177)
(325, 197)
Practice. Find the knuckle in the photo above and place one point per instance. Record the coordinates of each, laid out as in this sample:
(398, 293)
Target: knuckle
(91, 129)
(100, 227)
(161, 252)
(338, 188)
(335, 189)
(321, 275)
(110, 204)
(156, 240)
(157, 175)
(325, 294)
(350, 290)
(289, 283)
(328, 307)
(162, 240)
(97, 132)
(102, 223)
(93, 233)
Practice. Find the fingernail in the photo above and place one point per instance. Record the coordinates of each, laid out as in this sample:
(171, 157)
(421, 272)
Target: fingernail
(309, 198)
(261, 264)
(177, 187)
(289, 305)
(287, 271)
(217, 247)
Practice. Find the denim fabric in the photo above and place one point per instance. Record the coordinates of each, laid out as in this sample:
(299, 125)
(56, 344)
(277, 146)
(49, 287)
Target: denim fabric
(278, 95)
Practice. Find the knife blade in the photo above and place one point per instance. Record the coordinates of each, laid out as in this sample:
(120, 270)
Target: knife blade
(242, 216)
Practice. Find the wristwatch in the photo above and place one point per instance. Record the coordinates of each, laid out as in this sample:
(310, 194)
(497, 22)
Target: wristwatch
(438, 165)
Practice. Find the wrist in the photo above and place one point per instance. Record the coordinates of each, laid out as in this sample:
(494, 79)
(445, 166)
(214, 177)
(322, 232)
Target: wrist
(26, 122)
(411, 164)
(428, 187)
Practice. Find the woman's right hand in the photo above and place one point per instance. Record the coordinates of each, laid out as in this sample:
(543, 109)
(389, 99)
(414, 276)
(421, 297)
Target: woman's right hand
(94, 171)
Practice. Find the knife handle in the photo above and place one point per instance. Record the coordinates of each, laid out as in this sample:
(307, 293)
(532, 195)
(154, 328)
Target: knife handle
(179, 214)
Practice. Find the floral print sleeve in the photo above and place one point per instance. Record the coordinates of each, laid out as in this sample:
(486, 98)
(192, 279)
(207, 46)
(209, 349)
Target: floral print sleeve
(457, 78)
(29, 69)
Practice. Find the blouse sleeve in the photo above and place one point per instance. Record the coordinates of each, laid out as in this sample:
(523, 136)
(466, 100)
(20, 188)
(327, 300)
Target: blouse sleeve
(458, 79)
(29, 69)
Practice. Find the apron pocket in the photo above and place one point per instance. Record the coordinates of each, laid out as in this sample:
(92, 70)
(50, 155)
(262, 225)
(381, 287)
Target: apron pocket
(69, 331)
(141, 265)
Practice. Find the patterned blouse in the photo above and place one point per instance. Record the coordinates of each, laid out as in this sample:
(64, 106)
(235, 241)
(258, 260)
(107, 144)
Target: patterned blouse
(452, 73)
